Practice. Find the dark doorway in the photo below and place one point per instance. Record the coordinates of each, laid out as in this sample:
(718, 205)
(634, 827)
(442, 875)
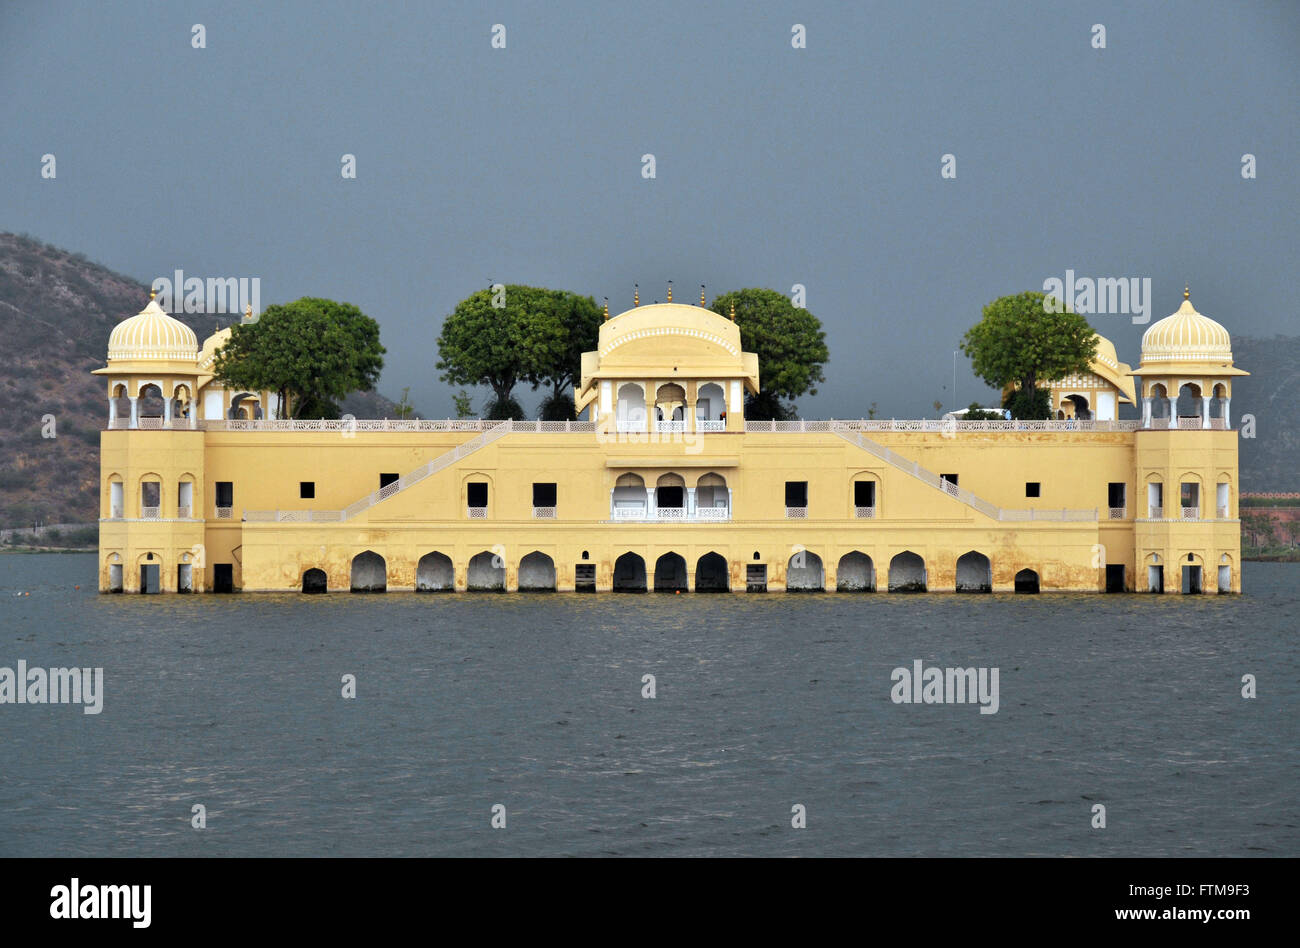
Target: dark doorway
(313, 581)
(223, 577)
(149, 578)
(1191, 580)
(1026, 581)
(584, 578)
(756, 577)
(1114, 577)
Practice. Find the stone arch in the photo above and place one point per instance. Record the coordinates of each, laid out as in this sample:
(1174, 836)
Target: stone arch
(670, 573)
(486, 572)
(855, 573)
(1026, 581)
(1188, 403)
(711, 492)
(974, 573)
(629, 573)
(711, 402)
(907, 573)
(712, 573)
(629, 409)
(314, 581)
(670, 402)
(537, 573)
(804, 573)
(435, 573)
(670, 492)
(150, 403)
(369, 573)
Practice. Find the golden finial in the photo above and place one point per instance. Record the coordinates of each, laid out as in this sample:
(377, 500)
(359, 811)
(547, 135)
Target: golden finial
(733, 311)
(701, 296)
(636, 295)
(670, 291)
(152, 292)
(607, 307)
(248, 312)
(1187, 292)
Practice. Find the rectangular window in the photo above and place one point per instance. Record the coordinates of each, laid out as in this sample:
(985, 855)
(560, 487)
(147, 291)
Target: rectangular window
(1033, 489)
(796, 493)
(150, 492)
(1116, 495)
(543, 495)
(386, 479)
(307, 489)
(225, 493)
(864, 493)
(478, 494)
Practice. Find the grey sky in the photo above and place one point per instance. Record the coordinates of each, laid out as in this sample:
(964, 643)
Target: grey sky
(775, 166)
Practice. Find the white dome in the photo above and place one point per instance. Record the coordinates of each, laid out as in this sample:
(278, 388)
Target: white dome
(152, 334)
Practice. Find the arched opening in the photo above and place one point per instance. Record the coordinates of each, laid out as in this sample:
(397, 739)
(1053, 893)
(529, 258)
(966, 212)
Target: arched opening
(670, 403)
(712, 574)
(1155, 574)
(150, 403)
(629, 497)
(710, 403)
(1225, 573)
(1189, 405)
(670, 495)
(369, 573)
(314, 582)
(907, 573)
(486, 573)
(1076, 407)
(630, 410)
(536, 573)
(114, 573)
(150, 497)
(1026, 581)
(435, 573)
(670, 573)
(1219, 403)
(245, 406)
(855, 573)
(711, 496)
(1159, 405)
(1192, 575)
(974, 573)
(804, 573)
(629, 573)
(181, 402)
(119, 407)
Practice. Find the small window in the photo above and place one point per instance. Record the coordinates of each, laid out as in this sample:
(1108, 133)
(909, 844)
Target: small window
(950, 478)
(478, 494)
(225, 494)
(543, 495)
(864, 493)
(1115, 494)
(386, 479)
(796, 493)
(1033, 489)
(307, 489)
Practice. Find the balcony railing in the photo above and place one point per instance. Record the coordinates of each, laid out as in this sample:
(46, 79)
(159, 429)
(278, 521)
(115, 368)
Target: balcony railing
(543, 513)
(670, 427)
(1118, 513)
(1189, 422)
(864, 513)
(1156, 513)
(1221, 513)
(150, 513)
(184, 512)
(712, 513)
(671, 514)
(115, 513)
(626, 426)
(476, 513)
(704, 425)
(225, 513)
(796, 513)
(1191, 513)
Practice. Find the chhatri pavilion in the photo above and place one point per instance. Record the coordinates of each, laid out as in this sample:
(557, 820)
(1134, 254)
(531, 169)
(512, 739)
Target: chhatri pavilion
(664, 486)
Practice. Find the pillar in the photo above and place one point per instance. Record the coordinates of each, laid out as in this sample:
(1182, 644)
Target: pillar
(690, 503)
(112, 410)
(135, 411)
(649, 406)
(1146, 412)
(1205, 411)
(1227, 420)
(167, 412)
(650, 503)
(1173, 410)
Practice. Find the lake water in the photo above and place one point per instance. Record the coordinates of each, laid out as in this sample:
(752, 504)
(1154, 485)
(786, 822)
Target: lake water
(535, 703)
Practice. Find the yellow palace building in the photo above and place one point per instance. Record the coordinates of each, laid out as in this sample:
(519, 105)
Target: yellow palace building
(665, 486)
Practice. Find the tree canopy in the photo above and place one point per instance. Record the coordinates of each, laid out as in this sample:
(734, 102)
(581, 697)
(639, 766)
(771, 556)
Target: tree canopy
(535, 336)
(1021, 341)
(790, 344)
(313, 352)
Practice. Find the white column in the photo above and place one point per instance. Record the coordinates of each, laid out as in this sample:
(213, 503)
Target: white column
(167, 412)
(611, 503)
(112, 410)
(728, 503)
(135, 411)
(1205, 411)
(1173, 411)
(690, 503)
(1146, 412)
(649, 502)
(1227, 420)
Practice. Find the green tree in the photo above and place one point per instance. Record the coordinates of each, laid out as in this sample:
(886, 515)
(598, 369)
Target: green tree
(790, 344)
(313, 352)
(1021, 341)
(464, 404)
(578, 318)
(519, 340)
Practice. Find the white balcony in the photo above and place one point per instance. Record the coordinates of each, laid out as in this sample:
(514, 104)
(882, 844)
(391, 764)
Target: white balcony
(1191, 513)
(864, 513)
(712, 513)
(184, 513)
(1156, 513)
(225, 513)
(704, 425)
(476, 513)
(626, 426)
(543, 513)
(150, 513)
(1221, 513)
(1118, 513)
(796, 513)
(670, 513)
(670, 427)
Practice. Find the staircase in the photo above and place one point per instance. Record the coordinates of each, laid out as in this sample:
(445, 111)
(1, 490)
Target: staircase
(973, 501)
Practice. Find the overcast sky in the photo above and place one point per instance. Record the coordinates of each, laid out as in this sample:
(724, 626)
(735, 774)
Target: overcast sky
(774, 165)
